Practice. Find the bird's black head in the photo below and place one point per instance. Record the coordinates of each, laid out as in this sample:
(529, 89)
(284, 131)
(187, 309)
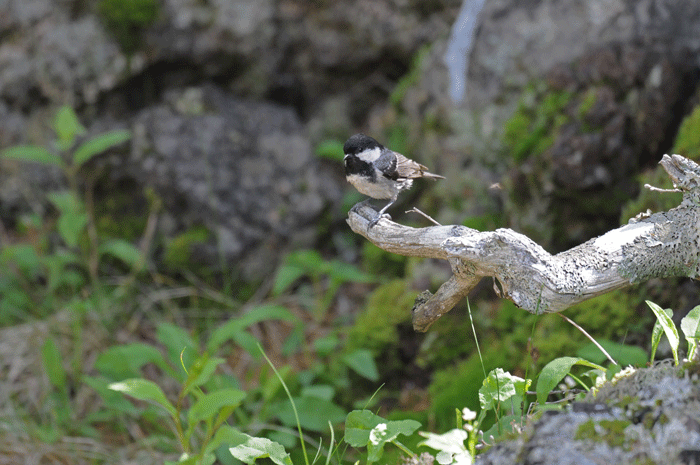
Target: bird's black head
(359, 143)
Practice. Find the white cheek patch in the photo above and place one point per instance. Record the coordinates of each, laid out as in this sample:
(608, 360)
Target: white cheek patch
(369, 155)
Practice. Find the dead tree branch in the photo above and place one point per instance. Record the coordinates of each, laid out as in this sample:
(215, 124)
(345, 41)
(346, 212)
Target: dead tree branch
(659, 245)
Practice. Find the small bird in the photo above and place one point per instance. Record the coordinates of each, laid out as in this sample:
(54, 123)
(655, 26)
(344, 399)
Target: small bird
(378, 172)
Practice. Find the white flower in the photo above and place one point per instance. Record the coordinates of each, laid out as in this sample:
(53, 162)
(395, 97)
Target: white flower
(377, 433)
(468, 415)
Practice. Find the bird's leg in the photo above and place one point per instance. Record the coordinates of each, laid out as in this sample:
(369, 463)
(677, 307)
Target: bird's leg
(357, 206)
(381, 214)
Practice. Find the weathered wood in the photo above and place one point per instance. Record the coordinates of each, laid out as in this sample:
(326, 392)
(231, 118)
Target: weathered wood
(659, 245)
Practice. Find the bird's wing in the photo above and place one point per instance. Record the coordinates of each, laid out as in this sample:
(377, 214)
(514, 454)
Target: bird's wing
(407, 168)
(386, 163)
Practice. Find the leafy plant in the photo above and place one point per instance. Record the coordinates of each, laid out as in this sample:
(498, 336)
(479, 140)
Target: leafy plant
(690, 326)
(365, 429)
(65, 267)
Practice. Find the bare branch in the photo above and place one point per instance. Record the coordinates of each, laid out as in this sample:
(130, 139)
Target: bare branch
(659, 245)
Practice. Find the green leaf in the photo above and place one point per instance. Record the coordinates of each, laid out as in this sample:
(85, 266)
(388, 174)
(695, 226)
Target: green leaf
(113, 400)
(554, 372)
(32, 154)
(258, 448)
(656, 333)
(498, 387)
(99, 144)
(362, 363)
(690, 325)
(209, 405)
(124, 251)
(322, 391)
(314, 413)
(286, 275)
(143, 389)
(669, 328)
(73, 218)
(365, 429)
(53, 365)
(67, 127)
(125, 361)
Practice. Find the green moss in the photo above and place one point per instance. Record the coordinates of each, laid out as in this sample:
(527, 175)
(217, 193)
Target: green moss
(610, 431)
(688, 138)
(378, 261)
(375, 328)
(533, 126)
(588, 99)
(687, 144)
(620, 315)
(410, 78)
(127, 18)
(178, 251)
(119, 214)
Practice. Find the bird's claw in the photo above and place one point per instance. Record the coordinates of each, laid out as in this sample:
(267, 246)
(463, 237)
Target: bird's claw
(377, 218)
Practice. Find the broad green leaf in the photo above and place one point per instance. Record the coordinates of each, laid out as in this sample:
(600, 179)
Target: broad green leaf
(555, 371)
(53, 365)
(126, 361)
(362, 363)
(690, 325)
(70, 226)
(258, 448)
(209, 405)
(314, 413)
(498, 387)
(113, 400)
(124, 251)
(99, 144)
(623, 354)
(669, 328)
(32, 154)
(73, 218)
(286, 275)
(143, 389)
(322, 391)
(67, 127)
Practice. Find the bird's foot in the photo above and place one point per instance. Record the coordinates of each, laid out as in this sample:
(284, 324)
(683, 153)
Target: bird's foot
(377, 218)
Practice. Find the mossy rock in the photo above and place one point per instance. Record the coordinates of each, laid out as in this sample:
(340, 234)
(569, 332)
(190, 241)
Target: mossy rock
(376, 328)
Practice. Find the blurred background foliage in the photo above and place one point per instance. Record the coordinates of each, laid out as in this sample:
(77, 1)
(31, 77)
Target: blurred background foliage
(91, 280)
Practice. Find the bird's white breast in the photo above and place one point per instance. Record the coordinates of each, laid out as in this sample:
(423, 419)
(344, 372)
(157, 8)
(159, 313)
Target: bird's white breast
(382, 188)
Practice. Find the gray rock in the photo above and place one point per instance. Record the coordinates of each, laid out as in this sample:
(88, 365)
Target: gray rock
(244, 170)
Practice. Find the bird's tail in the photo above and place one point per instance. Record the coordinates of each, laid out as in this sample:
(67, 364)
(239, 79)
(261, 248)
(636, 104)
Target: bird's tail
(431, 176)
